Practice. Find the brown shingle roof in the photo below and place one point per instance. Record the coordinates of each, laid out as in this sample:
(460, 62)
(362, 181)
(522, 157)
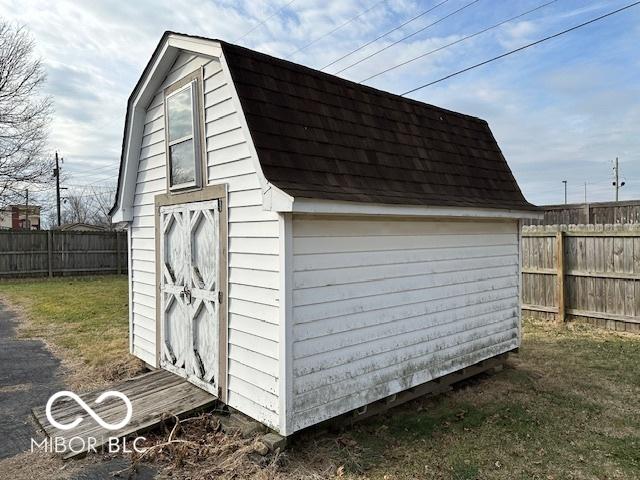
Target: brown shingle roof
(320, 136)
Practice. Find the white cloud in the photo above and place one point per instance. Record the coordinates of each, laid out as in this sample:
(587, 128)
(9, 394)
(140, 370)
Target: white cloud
(517, 34)
(562, 110)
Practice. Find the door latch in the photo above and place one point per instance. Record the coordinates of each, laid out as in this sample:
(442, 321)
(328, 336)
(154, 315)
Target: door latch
(186, 294)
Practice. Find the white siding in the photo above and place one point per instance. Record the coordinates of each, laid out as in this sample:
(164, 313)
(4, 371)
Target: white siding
(253, 244)
(382, 305)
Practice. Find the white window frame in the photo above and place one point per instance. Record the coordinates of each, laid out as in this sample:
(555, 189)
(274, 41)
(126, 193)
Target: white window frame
(188, 83)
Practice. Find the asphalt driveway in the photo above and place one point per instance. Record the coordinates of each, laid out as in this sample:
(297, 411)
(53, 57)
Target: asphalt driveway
(29, 375)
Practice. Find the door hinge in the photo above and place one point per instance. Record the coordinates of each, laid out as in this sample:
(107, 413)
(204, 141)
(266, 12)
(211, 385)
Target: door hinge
(220, 296)
(219, 205)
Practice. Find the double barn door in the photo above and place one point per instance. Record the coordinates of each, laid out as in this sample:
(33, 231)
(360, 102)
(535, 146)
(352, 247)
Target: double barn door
(190, 291)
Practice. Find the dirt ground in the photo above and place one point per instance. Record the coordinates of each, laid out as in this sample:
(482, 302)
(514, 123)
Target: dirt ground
(566, 406)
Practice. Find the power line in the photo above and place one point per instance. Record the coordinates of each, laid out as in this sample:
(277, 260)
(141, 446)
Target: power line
(102, 187)
(408, 36)
(93, 171)
(338, 27)
(510, 52)
(93, 182)
(385, 34)
(98, 172)
(484, 30)
(263, 21)
(100, 181)
(94, 176)
(97, 175)
(106, 164)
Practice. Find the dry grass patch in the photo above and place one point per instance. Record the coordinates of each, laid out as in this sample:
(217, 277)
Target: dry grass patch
(83, 319)
(565, 407)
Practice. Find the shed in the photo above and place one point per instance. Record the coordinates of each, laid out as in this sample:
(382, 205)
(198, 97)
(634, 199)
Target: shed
(309, 245)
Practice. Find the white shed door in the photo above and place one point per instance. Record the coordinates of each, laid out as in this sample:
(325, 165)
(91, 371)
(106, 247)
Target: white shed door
(190, 291)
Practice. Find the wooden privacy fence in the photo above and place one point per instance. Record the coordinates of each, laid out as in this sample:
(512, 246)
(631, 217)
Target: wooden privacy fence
(600, 213)
(583, 272)
(39, 253)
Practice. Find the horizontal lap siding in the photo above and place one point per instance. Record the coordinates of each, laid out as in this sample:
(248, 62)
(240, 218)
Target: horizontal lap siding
(380, 306)
(151, 181)
(253, 244)
(253, 257)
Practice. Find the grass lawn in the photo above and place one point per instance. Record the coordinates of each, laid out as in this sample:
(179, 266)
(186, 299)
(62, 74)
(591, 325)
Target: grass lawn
(566, 407)
(85, 317)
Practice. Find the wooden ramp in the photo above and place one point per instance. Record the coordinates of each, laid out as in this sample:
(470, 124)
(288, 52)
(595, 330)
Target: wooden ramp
(153, 396)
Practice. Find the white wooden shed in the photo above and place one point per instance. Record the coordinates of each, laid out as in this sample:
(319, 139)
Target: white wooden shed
(301, 245)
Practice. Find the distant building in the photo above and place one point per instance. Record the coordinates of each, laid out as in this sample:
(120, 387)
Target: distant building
(20, 217)
(82, 227)
(597, 213)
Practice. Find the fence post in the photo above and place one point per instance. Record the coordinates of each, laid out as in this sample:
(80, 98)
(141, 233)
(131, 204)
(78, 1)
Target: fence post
(587, 214)
(118, 261)
(560, 276)
(50, 251)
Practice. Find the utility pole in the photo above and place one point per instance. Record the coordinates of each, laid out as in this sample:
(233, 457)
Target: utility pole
(616, 183)
(56, 173)
(26, 220)
(565, 191)
(585, 192)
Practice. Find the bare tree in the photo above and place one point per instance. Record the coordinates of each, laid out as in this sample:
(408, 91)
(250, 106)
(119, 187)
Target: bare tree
(88, 206)
(75, 209)
(24, 115)
(102, 203)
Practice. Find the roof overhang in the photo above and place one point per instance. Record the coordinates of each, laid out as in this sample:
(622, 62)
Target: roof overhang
(332, 207)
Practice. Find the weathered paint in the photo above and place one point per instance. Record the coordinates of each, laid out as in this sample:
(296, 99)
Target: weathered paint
(253, 334)
(382, 305)
(190, 288)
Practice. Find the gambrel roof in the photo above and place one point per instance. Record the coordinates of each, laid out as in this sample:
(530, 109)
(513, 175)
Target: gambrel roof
(321, 137)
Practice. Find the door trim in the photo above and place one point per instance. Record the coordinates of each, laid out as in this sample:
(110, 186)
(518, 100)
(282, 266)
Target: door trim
(212, 192)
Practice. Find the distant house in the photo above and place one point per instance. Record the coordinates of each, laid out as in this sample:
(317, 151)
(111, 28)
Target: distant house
(20, 217)
(82, 227)
(5, 218)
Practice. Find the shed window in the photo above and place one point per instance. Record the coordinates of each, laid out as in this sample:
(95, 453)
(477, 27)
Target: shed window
(182, 137)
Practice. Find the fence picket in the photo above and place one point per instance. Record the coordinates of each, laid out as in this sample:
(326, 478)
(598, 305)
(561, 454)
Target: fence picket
(55, 253)
(600, 274)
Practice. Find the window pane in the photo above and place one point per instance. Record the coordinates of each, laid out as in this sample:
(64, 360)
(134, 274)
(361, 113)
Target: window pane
(180, 116)
(183, 163)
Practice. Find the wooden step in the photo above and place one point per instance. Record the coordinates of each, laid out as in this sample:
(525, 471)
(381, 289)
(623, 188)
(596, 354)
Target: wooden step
(154, 396)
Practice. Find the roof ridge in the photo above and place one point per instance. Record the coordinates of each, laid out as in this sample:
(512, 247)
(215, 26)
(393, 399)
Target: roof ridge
(335, 78)
(314, 71)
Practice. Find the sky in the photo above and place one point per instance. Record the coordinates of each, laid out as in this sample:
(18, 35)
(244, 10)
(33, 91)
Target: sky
(562, 110)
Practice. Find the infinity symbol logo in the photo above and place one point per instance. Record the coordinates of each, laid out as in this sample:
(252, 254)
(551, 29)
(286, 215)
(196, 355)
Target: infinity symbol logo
(87, 408)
